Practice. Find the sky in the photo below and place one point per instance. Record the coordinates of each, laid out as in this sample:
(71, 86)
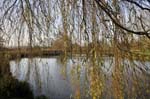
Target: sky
(50, 24)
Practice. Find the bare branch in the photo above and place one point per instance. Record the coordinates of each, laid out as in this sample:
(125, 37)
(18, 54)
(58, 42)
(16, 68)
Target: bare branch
(114, 20)
(137, 4)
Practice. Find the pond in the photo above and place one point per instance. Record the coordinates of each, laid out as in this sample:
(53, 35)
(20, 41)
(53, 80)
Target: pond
(56, 80)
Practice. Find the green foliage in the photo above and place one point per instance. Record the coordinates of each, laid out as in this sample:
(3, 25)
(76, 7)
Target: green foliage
(10, 88)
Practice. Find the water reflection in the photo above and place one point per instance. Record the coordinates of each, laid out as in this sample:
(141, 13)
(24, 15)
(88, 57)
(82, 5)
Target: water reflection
(44, 75)
(49, 77)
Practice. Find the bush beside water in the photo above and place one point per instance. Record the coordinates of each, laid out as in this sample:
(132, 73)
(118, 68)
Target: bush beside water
(11, 88)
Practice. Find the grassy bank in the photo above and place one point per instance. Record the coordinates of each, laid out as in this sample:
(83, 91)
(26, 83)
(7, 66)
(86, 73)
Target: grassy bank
(14, 53)
(140, 55)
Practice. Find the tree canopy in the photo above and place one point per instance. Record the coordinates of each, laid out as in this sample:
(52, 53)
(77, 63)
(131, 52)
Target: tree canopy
(85, 20)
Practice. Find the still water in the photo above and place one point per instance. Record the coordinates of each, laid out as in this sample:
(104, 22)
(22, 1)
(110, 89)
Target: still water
(44, 76)
(57, 80)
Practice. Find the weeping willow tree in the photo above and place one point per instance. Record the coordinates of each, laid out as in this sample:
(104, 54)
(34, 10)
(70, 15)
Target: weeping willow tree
(101, 27)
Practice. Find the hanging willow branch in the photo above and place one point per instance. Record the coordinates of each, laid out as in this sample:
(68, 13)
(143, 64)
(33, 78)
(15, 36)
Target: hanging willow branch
(138, 5)
(106, 9)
